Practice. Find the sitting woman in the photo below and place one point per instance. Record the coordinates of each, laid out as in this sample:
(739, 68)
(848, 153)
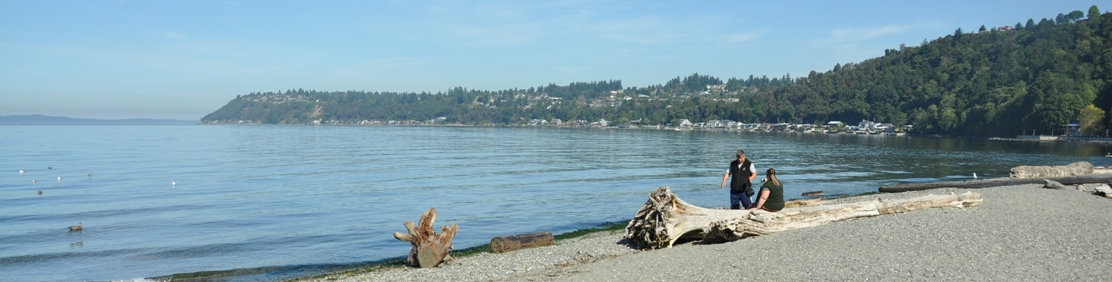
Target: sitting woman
(771, 197)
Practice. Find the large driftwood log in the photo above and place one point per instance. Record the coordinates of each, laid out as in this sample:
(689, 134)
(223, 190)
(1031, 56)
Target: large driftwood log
(429, 247)
(665, 218)
(996, 182)
(1074, 169)
(763, 223)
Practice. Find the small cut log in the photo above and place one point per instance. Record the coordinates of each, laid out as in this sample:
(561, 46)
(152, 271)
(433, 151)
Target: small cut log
(429, 248)
(665, 218)
(510, 243)
(816, 194)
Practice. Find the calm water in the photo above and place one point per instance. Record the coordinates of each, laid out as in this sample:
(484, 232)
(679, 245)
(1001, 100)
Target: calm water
(296, 197)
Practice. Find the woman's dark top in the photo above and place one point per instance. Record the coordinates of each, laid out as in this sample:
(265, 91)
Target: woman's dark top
(775, 199)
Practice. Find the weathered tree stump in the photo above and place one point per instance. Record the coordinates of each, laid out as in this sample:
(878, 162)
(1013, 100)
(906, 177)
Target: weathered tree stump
(665, 218)
(429, 247)
(503, 244)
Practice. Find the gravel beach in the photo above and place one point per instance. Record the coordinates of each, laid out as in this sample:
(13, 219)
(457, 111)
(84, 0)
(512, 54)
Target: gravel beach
(1022, 232)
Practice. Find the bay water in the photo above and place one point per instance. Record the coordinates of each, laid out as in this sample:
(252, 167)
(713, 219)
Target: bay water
(291, 200)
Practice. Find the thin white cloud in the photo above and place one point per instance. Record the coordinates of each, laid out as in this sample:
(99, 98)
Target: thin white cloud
(842, 35)
(481, 24)
(854, 34)
(742, 36)
(491, 34)
(843, 45)
(173, 35)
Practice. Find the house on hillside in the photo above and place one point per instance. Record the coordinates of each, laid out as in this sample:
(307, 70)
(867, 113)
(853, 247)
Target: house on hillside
(685, 123)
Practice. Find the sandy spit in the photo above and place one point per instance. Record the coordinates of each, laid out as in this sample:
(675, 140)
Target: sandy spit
(1022, 232)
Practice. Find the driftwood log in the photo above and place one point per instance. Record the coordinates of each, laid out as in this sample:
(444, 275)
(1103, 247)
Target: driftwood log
(503, 244)
(817, 194)
(429, 248)
(1074, 169)
(1102, 190)
(995, 182)
(665, 218)
(763, 223)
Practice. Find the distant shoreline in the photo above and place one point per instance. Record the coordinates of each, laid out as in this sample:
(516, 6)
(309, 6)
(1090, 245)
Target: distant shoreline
(1018, 138)
(44, 120)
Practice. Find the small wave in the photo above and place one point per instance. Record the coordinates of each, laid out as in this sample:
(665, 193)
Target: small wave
(56, 256)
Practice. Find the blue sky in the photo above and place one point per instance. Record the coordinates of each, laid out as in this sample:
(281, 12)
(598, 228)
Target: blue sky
(185, 59)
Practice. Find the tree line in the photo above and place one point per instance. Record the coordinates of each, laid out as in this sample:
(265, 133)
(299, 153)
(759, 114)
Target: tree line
(1003, 81)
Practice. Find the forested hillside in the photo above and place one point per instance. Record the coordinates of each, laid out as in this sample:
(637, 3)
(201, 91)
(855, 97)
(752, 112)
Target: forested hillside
(997, 81)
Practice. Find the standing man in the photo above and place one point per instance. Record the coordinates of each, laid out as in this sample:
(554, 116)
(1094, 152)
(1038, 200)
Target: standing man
(741, 186)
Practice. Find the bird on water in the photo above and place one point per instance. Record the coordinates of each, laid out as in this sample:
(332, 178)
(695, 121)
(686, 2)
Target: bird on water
(75, 227)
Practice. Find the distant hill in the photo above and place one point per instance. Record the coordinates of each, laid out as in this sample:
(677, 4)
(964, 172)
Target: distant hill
(998, 81)
(56, 120)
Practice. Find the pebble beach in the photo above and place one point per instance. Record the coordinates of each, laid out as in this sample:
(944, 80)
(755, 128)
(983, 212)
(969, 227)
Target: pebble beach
(1022, 232)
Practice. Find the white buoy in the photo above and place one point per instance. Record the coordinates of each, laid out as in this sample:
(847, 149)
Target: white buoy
(59, 179)
(174, 183)
(974, 175)
(21, 172)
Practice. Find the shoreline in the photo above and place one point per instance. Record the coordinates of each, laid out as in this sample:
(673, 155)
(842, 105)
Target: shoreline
(1055, 139)
(1019, 232)
(319, 271)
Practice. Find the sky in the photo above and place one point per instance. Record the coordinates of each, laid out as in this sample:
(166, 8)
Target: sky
(185, 59)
